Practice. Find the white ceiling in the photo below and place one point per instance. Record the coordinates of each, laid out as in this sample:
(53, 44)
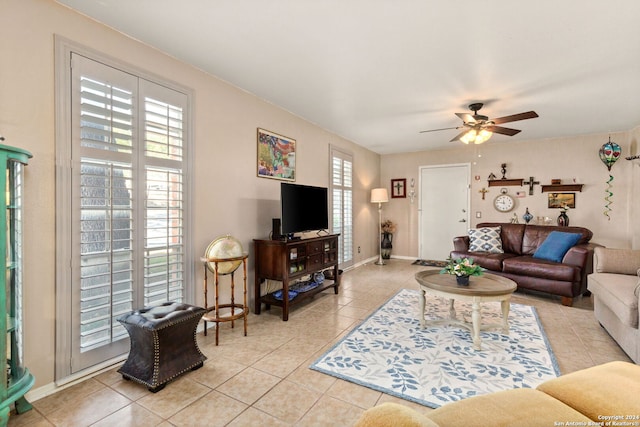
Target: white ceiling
(379, 71)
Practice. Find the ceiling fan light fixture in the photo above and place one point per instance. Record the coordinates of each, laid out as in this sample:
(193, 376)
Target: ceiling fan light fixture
(477, 137)
(479, 128)
(482, 136)
(469, 136)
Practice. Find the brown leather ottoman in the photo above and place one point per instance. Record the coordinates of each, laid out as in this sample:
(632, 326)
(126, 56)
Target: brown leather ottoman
(163, 343)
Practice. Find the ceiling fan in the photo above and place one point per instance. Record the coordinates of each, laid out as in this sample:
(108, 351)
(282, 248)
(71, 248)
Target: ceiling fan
(479, 128)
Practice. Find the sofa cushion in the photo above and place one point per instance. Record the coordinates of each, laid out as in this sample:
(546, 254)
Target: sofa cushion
(556, 245)
(609, 389)
(617, 291)
(533, 267)
(485, 239)
(518, 407)
(534, 235)
(393, 414)
(510, 234)
(486, 260)
(622, 261)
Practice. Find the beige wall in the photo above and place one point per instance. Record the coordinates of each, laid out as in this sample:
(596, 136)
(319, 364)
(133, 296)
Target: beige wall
(564, 158)
(229, 198)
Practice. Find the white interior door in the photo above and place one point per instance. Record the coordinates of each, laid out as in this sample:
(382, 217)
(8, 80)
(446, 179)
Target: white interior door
(444, 208)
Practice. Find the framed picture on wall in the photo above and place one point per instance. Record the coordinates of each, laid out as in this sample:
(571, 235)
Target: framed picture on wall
(399, 188)
(559, 200)
(276, 156)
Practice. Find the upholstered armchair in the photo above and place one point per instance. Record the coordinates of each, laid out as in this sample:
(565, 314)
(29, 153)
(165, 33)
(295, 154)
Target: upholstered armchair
(615, 286)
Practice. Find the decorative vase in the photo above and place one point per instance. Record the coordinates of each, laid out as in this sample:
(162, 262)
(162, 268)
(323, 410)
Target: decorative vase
(563, 219)
(386, 245)
(462, 280)
(527, 216)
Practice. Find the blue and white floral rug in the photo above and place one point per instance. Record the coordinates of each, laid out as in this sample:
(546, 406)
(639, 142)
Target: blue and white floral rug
(389, 352)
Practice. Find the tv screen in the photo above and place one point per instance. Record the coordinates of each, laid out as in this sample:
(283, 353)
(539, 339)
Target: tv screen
(304, 208)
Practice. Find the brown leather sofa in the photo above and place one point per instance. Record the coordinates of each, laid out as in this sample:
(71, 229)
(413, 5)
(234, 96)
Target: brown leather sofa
(567, 279)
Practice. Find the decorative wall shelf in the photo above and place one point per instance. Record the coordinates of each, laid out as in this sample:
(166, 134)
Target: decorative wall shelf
(561, 187)
(505, 182)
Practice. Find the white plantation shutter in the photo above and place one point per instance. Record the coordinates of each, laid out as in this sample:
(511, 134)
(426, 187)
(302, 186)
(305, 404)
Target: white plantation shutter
(106, 114)
(163, 130)
(127, 204)
(106, 251)
(342, 203)
(164, 237)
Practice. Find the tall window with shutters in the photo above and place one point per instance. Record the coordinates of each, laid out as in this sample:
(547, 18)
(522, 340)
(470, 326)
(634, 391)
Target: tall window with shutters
(127, 204)
(342, 203)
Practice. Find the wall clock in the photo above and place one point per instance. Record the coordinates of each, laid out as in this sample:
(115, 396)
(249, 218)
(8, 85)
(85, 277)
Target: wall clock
(504, 202)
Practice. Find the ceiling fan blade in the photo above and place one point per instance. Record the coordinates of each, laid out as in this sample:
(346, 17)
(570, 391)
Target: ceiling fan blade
(466, 117)
(436, 130)
(515, 117)
(501, 130)
(460, 135)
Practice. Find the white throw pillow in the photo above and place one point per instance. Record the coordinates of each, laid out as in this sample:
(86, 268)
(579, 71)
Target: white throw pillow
(485, 239)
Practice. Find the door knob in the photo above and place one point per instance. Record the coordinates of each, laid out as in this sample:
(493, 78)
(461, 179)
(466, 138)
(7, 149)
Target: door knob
(463, 220)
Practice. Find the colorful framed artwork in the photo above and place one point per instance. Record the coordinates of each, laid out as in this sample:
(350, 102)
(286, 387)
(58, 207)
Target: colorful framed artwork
(399, 188)
(560, 200)
(276, 156)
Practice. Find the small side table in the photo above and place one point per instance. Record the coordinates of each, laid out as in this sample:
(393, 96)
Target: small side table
(227, 312)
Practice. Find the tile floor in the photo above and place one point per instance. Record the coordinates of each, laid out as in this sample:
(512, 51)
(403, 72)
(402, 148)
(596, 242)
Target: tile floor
(263, 379)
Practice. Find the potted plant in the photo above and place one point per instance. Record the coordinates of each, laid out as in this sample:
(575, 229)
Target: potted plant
(462, 268)
(386, 243)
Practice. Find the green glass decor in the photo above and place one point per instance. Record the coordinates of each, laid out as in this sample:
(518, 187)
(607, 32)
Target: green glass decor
(16, 380)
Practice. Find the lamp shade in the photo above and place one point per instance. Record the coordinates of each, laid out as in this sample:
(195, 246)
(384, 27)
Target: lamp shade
(476, 136)
(379, 195)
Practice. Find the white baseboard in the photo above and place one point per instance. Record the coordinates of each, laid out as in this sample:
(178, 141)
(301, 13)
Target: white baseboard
(410, 258)
(56, 386)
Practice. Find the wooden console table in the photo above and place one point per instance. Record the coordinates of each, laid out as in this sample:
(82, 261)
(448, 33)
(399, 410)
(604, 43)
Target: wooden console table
(288, 260)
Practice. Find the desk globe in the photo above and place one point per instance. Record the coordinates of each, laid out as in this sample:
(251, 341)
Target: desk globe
(222, 248)
(223, 257)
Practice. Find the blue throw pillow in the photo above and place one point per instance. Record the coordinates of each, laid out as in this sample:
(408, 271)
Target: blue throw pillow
(556, 245)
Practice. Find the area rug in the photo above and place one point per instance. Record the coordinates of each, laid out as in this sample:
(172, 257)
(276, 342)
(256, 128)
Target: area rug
(391, 353)
(429, 263)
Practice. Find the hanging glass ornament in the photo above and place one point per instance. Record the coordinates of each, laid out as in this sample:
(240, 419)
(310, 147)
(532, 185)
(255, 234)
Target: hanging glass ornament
(609, 154)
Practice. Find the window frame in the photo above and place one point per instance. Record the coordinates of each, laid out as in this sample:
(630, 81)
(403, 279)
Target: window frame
(64, 48)
(344, 156)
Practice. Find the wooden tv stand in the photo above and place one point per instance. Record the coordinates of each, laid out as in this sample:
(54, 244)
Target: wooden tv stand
(288, 260)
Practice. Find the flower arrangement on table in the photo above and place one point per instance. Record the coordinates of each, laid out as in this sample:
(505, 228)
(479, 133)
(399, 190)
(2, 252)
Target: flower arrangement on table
(462, 267)
(388, 227)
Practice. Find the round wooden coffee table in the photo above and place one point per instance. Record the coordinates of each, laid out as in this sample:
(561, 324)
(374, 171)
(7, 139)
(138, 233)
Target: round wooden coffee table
(485, 288)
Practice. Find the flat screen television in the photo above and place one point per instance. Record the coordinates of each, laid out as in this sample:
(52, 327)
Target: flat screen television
(304, 208)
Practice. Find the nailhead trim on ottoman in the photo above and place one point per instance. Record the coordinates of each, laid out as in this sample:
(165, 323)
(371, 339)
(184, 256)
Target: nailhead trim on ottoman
(163, 343)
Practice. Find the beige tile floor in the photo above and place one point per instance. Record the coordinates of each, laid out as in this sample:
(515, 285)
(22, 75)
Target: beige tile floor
(263, 379)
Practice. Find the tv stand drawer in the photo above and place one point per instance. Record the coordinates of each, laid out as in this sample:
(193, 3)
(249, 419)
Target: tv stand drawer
(315, 247)
(315, 262)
